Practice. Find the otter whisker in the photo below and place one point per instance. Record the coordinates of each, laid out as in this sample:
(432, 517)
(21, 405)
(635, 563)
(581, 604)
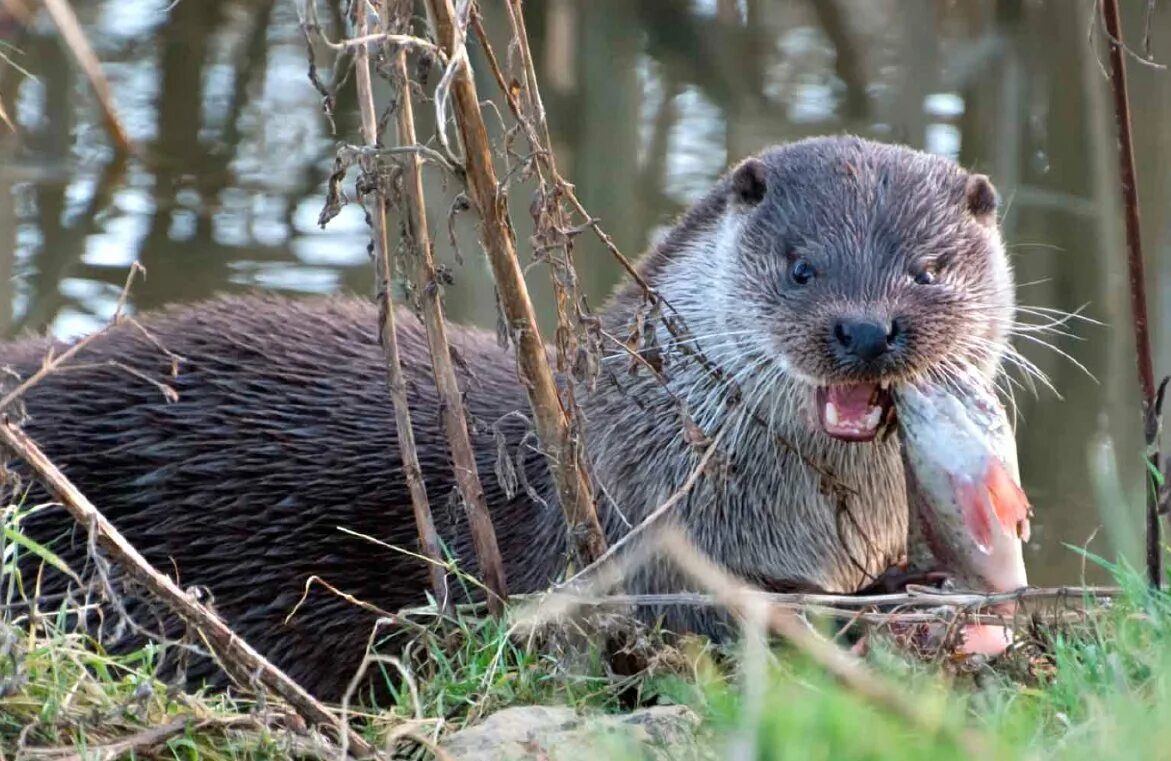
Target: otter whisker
(1008, 393)
(1030, 371)
(1065, 316)
(1041, 245)
(1049, 330)
(1063, 353)
(1011, 355)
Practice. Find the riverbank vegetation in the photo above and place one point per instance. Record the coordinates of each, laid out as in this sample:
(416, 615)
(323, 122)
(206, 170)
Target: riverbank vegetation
(1088, 686)
(1089, 678)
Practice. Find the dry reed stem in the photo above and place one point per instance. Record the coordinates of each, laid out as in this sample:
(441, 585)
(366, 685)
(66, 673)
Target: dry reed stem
(452, 412)
(388, 335)
(239, 658)
(1138, 293)
(71, 31)
(849, 604)
(553, 427)
(570, 601)
(552, 231)
(847, 668)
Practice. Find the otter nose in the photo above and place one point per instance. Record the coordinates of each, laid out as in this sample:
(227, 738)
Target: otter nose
(865, 339)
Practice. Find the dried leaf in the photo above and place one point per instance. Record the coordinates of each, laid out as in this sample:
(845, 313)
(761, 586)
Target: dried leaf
(523, 475)
(692, 433)
(505, 471)
(455, 506)
(335, 197)
(585, 365)
(459, 204)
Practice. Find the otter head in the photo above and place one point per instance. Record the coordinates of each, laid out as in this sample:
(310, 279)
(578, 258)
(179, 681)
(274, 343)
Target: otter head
(859, 265)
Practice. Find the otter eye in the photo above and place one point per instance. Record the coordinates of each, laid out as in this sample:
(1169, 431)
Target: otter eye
(925, 276)
(801, 272)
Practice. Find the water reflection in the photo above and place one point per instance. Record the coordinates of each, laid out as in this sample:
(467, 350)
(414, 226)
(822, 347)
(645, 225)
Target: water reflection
(649, 100)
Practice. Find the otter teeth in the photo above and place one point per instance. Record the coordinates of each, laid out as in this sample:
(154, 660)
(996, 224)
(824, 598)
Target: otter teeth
(870, 422)
(873, 417)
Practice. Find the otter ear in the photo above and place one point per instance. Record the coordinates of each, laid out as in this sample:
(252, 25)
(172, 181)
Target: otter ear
(748, 182)
(982, 199)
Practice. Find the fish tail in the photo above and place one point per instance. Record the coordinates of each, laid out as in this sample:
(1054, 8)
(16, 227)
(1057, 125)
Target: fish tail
(1009, 502)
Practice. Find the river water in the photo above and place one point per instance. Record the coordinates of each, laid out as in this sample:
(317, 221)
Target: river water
(649, 101)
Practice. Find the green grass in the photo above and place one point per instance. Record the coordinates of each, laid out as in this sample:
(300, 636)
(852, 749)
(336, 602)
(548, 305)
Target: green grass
(1098, 689)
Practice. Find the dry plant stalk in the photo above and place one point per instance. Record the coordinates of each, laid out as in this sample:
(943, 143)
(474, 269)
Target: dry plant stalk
(553, 233)
(743, 600)
(238, 657)
(943, 611)
(388, 337)
(452, 410)
(551, 420)
(1152, 397)
(67, 24)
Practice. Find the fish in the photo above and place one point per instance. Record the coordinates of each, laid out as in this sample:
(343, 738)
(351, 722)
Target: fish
(969, 516)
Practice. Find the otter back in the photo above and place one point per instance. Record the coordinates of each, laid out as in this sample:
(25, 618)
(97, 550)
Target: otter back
(282, 435)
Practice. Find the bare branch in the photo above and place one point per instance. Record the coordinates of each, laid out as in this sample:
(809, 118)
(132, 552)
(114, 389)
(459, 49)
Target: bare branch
(655, 514)
(66, 22)
(1138, 293)
(51, 364)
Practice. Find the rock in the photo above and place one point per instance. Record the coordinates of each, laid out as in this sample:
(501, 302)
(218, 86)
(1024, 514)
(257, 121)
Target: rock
(558, 733)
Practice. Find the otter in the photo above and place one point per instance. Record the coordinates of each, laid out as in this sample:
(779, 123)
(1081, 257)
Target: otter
(810, 279)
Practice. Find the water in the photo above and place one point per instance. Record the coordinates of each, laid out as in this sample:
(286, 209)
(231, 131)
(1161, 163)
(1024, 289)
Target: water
(649, 100)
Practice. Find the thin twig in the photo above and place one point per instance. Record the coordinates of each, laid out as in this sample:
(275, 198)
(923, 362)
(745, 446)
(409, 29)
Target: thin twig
(71, 31)
(352, 153)
(455, 420)
(923, 597)
(940, 613)
(130, 746)
(402, 40)
(388, 335)
(5, 118)
(53, 363)
(552, 425)
(655, 514)
(1138, 295)
(240, 659)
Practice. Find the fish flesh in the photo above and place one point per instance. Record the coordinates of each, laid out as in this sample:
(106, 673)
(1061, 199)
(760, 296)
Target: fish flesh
(969, 516)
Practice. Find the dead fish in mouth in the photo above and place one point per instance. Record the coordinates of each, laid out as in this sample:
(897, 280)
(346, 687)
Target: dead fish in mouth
(969, 516)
